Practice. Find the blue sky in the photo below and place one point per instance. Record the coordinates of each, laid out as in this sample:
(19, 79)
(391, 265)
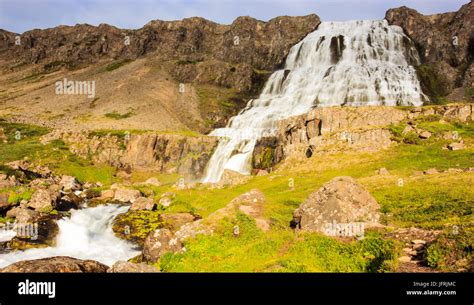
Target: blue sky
(21, 15)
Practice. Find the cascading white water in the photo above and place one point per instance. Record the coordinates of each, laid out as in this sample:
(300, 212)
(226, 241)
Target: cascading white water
(351, 63)
(86, 235)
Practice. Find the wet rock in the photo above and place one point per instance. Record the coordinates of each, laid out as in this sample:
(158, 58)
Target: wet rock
(69, 201)
(128, 267)
(58, 264)
(143, 203)
(126, 195)
(341, 200)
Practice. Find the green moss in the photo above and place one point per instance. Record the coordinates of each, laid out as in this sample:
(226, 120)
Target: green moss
(117, 116)
(283, 251)
(16, 197)
(136, 225)
(432, 83)
(117, 64)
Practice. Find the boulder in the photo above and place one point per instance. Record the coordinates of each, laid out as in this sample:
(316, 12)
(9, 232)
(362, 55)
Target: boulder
(153, 181)
(126, 195)
(158, 243)
(128, 267)
(341, 200)
(69, 201)
(69, 183)
(43, 200)
(424, 134)
(57, 264)
(23, 215)
(107, 195)
(143, 203)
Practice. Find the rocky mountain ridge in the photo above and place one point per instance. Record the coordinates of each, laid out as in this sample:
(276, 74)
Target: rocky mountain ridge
(445, 43)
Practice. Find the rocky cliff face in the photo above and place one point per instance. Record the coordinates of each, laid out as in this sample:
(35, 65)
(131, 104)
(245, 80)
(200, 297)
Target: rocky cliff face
(446, 46)
(336, 129)
(167, 153)
(234, 53)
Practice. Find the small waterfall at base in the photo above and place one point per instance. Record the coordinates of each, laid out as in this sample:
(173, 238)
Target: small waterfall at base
(86, 235)
(351, 63)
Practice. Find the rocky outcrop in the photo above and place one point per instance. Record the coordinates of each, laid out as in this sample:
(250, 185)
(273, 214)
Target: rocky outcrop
(185, 155)
(168, 153)
(58, 264)
(335, 129)
(340, 201)
(445, 43)
(233, 54)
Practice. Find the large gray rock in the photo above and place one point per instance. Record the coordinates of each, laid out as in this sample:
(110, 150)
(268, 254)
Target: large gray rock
(341, 200)
(58, 264)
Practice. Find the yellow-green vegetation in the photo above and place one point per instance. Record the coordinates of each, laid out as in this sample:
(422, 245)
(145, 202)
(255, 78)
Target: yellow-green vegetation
(279, 251)
(439, 201)
(452, 250)
(55, 155)
(214, 100)
(117, 64)
(118, 116)
(136, 225)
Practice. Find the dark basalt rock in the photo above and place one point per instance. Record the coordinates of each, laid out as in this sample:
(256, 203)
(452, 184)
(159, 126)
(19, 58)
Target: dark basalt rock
(444, 43)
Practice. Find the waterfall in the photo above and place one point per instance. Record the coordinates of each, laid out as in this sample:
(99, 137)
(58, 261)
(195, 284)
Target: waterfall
(86, 235)
(351, 63)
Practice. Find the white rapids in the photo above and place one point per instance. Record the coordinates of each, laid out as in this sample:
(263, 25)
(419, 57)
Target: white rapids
(353, 63)
(86, 235)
